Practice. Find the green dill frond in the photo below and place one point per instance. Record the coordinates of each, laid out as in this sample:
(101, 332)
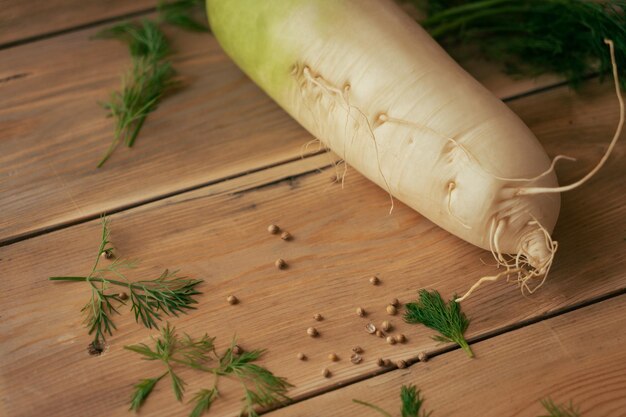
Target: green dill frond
(412, 402)
(181, 13)
(141, 392)
(446, 318)
(203, 399)
(142, 89)
(533, 37)
(167, 294)
(559, 410)
(144, 39)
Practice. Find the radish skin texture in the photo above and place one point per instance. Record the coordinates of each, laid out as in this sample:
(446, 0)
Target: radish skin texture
(376, 89)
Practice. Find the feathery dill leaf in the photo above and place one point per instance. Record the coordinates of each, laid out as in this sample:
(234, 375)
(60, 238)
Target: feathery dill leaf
(412, 402)
(446, 318)
(181, 13)
(559, 410)
(261, 387)
(167, 294)
(203, 399)
(533, 37)
(144, 39)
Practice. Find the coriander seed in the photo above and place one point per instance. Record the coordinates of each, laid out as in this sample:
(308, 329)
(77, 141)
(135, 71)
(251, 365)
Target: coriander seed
(333, 357)
(401, 364)
(122, 296)
(395, 302)
(386, 326)
(392, 310)
(374, 280)
(356, 358)
(357, 349)
(273, 229)
(380, 333)
(422, 357)
(371, 329)
(107, 254)
(280, 263)
(285, 236)
(237, 350)
(400, 338)
(380, 362)
(391, 340)
(326, 373)
(312, 331)
(232, 300)
(301, 356)
(318, 317)
(360, 312)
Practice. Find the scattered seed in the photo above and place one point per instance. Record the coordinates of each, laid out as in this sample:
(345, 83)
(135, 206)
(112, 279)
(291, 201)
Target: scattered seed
(391, 340)
(280, 263)
(371, 329)
(360, 312)
(356, 358)
(401, 364)
(285, 236)
(301, 356)
(333, 357)
(380, 362)
(387, 362)
(95, 348)
(392, 310)
(326, 373)
(232, 300)
(107, 254)
(400, 338)
(318, 317)
(386, 326)
(357, 349)
(122, 296)
(312, 331)
(422, 357)
(237, 350)
(395, 302)
(374, 280)
(273, 229)
(380, 333)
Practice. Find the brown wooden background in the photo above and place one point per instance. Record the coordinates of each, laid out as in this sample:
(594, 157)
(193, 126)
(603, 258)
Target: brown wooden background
(218, 162)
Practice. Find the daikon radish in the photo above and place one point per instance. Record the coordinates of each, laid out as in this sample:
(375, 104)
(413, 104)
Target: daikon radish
(375, 88)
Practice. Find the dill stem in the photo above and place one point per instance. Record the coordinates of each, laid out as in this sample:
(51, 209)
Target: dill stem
(454, 24)
(463, 343)
(83, 279)
(444, 15)
(374, 407)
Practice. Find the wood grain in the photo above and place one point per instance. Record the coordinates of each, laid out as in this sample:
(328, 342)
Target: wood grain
(577, 357)
(53, 133)
(20, 19)
(342, 237)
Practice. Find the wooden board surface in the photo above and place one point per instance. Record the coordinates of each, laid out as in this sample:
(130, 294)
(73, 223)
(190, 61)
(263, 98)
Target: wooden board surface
(53, 132)
(20, 20)
(577, 357)
(341, 236)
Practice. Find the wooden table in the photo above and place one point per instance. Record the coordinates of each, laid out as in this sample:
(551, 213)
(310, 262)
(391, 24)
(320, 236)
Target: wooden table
(213, 167)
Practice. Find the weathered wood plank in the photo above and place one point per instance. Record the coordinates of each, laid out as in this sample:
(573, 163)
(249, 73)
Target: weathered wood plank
(576, 357)
(341, 236)
(20, 20)
(52, 131)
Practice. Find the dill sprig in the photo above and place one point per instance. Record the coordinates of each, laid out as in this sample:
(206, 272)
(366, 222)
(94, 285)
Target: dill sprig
(446, 318)
(533, 37)
(181, 13)
(559, 410)
(144, 39)
(168, 294)
(412, 402)
(261, 387)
